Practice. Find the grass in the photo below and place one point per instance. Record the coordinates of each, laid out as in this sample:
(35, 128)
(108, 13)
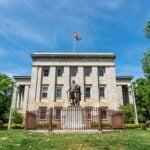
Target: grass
(133, 139)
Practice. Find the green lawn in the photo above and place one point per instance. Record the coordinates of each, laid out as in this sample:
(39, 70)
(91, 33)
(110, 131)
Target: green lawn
(133, 139)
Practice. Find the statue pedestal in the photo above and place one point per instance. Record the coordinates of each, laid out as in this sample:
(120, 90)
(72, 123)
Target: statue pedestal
(73, 118)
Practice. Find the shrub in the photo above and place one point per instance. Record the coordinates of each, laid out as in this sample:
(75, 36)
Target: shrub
(94, 125)
(106, 125)
(14, 126)
(54, 124)
(131, 126)
(17, 118)
(42, 125)
(144, 127)
(129, 112)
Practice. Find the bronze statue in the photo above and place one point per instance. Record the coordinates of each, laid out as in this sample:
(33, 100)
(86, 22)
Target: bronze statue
(74, 94)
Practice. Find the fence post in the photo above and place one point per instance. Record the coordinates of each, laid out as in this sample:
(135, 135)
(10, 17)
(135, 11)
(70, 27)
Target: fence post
(100, 120)
(26, 120)
(51, 118)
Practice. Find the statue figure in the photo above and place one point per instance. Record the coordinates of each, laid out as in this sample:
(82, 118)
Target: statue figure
(74, 94)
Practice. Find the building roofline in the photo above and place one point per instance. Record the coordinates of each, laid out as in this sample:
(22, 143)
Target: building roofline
(124, 77)
(72, 55)
(22, 77)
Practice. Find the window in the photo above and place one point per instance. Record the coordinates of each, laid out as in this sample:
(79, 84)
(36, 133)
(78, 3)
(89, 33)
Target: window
(88, 113)
(58, 113)
(43, 112)
(101, 71)
(73, 71)
(45, 72)
(103, 113)
(102, 92)
(87, 92)
(60, 71)
(58, 92)
(87, 71)
(44, 91)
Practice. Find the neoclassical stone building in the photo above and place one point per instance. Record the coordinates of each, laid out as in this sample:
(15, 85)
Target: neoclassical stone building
(51, 78)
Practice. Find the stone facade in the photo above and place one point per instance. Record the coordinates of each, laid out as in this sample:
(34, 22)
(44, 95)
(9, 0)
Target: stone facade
(100, 87)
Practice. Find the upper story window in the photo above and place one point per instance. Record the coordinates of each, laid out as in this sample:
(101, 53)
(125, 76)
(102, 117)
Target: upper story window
(45, 72)
(60, 71)
(87, 71)
(87, 92)
(101, 71)
(44, 91)
(73, 71)
(42, 112)
(58, 92)
(102, 92)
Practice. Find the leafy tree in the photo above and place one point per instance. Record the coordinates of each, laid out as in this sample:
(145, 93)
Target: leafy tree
(147, 30)
(17, 117)
(6, 86)
(142, 94)
(129, 112)
(146, 63)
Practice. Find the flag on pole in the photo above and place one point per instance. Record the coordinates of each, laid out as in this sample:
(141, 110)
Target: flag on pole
(76, 36)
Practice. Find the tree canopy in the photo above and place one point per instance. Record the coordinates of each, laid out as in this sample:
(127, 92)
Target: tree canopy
(146, 63)
(6, 88)
(147, 30)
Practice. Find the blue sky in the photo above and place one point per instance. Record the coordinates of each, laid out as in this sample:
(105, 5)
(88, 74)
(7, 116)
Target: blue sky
(116, 26)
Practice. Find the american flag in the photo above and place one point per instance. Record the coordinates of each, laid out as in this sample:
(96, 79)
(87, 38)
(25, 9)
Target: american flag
(76, 36)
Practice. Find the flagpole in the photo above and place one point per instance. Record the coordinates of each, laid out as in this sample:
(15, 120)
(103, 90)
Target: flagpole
(74, 45)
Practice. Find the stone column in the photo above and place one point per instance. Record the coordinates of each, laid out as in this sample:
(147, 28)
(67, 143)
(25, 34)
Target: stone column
(111, 87)
(119, 94)
(51, 89)
(66, 86)
(80, 81)
(26, 97)
(39, 80)
(21, 100)
(14, 98)
(95, 87)
(33, 88)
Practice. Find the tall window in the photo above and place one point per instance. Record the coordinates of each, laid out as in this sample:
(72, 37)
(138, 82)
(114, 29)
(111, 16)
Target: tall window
(60, 71)
(102, 92)
(101, 71)
(73, 71)
(57, 113)
(42, 112)
(45, 72)
(87, 71)
(44, 91)
(58, 92)
(87, 92)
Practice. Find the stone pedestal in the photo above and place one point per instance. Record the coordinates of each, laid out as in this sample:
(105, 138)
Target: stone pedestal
(73, 118)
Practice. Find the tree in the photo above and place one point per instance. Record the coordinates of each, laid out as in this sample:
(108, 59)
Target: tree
(142, 95)
(129, 113)
(6, 86)
(146, 63)
(147, 30)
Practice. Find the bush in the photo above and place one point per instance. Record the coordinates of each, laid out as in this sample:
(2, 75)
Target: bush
(17, 118)
(131, 126)
(144, 127)
(54, 124)
(13, 126)
(94, 125)
(106, 125)
(42, 125)
(129, 113)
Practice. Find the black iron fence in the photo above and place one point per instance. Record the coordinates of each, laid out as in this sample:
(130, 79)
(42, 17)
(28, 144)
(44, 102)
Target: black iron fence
(75, 118)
